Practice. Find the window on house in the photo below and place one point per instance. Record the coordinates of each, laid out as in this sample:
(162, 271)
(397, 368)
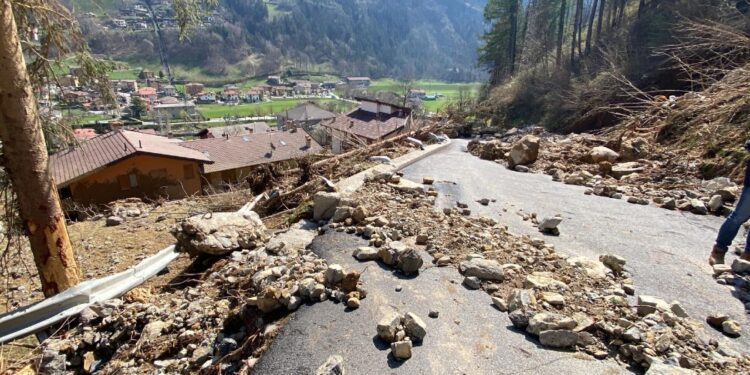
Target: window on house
(133, 180)
(189, 171)
(124, 182)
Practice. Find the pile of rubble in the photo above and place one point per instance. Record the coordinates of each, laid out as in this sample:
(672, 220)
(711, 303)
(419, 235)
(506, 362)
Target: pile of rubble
(574, 303)
(131, 208)
(400, 331)
(218, 321)
(639, 171)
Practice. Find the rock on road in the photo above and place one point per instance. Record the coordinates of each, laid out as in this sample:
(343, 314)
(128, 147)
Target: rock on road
(666, 253)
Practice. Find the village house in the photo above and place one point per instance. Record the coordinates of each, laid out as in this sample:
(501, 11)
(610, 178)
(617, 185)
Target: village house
(237, 158)
(206, 98)
(416, 94)
(122, 164)
(146, 74)
(306, 116)
(127, 85)
(328, 85)
(168, 90)
(82, 134)
(194, 88)
(231, 94)
(253, 96)
(119, 23)
(373, 121)
(234, 130)
(76, 97)
(274, 80)
(358, 81)
(172, 111)
(147, 93)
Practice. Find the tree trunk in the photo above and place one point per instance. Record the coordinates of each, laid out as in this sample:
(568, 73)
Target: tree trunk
(611, 14)
(580, 28)
(25, 160)
(525, 30)
(590, 29)
(160, 41)
(641, 5)
(560, 32)
(621, 15)
(513, 37)
(600, 21)
(574, 35)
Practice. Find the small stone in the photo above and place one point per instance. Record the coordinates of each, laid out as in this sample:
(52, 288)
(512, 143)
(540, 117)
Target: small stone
(484, 201)
(559, 338)
(715, 203)
(731, 328)
(648, 305)
(677, 309)
(334, 274)
(409, 261)
(401, 350)
(399, 288)
(472, 282)
(740, 266)
(554, 299)
(614, 262)
(388, 327)
(484, 269)
(113, 221)
(500, 304)
(519, 318)
(549, 321)
(366, 253)
(717, 320)
(632, 334)
(415, 327)
(720, 269)
(433, 314)
(333, 366)
(428, 180)
(549, 225)
(522, 169)
(353, 303)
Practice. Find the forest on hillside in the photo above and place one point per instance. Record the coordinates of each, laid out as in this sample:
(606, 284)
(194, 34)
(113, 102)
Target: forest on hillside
(579, 65)
(404, 39)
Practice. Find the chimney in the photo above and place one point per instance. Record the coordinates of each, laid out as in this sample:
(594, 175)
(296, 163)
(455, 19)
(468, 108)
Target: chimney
(351, 123)
(308, 141)
(140, 145)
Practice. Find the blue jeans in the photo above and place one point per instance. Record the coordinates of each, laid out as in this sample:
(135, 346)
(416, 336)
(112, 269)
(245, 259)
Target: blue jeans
(732, 225)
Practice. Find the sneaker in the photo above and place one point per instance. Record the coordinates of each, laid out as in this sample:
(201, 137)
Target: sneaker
(717, 256)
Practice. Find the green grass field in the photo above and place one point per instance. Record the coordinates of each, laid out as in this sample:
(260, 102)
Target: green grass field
(212, 111)
(449, 91)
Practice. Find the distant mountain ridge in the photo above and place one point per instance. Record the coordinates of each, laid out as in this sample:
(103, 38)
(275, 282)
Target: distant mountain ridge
(404, 39)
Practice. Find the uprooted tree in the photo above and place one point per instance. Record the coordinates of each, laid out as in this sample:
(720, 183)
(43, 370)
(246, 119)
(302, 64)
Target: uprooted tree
(22, 130)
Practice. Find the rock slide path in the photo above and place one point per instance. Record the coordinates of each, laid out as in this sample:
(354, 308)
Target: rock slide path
(665, 250)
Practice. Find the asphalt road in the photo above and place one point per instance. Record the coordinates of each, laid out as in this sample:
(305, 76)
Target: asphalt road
(667, 251)
(469, 336)
(666, 254)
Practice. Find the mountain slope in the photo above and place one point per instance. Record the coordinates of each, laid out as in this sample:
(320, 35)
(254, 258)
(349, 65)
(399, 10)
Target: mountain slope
(408, 39)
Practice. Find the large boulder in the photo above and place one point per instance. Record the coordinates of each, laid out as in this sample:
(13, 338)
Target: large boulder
(325, 204)
(634, 149)
(220, 233)
(524, 152)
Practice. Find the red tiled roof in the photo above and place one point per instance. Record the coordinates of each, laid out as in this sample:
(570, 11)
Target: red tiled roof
(253, 149)
(146, 91)
(306, 112)
(84, 133)
(98, 152)
(366, 124)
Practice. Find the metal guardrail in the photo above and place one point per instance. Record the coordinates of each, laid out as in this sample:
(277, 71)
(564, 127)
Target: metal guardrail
(38, 316)
(33, 318)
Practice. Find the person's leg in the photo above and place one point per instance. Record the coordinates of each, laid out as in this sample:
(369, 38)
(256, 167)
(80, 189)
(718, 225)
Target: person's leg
(730, 228)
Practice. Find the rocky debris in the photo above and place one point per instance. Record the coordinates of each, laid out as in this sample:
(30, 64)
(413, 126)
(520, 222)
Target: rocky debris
(731, 328)
(129, 208)
(558, 338)
(198, 325)
(428, 180)
(523, 152)
(527, 277)
(549, 225)
(400, 331)
(433, 314)
(334, 365)
(613, 166)
(409, 261)
(220, 233)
